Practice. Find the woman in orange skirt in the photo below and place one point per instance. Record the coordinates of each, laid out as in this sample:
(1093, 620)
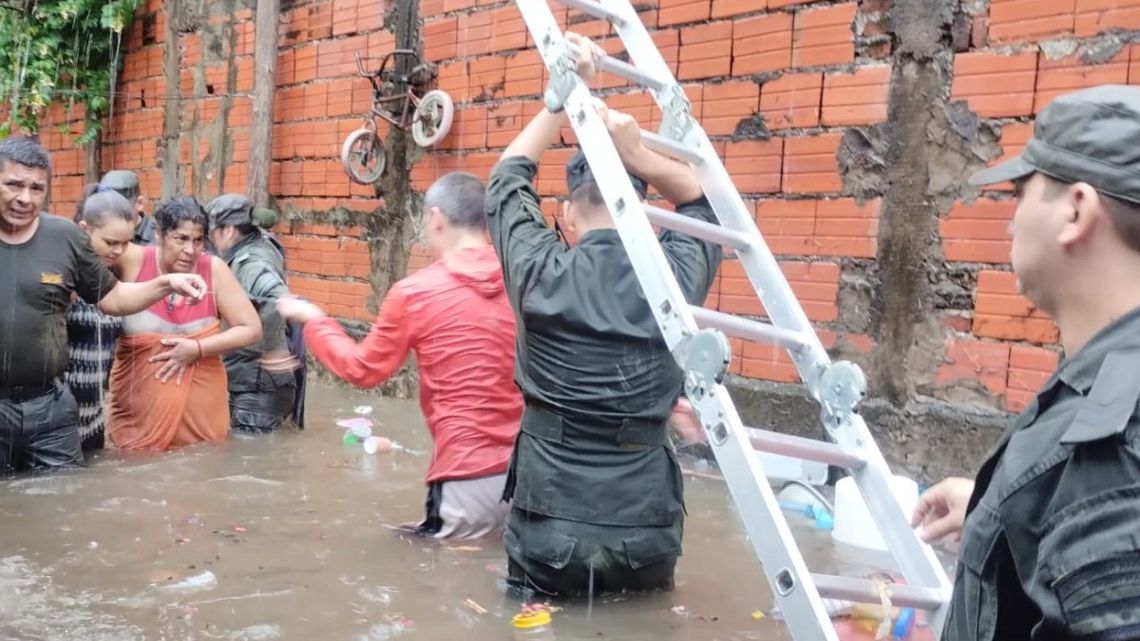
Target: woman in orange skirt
(168, 383)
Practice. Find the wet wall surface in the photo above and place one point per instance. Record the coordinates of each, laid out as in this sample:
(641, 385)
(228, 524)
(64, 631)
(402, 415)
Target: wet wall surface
(289, 536)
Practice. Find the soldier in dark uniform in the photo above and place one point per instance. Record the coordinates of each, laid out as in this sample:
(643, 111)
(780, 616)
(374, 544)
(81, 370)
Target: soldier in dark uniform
(1050, 529)
(597, 493)
(262, 385)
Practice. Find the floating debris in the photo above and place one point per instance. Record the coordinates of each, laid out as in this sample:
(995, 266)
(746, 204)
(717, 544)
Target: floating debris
(203, 581)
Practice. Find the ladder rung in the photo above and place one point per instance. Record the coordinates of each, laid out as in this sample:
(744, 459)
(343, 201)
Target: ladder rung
(594, 9)
(804, 448)
(864, 591)
(663, 145)
(744, 328)
(631, 73)
(698, 228)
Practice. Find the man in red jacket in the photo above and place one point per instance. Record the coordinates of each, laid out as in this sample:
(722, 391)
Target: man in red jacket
(456, 316)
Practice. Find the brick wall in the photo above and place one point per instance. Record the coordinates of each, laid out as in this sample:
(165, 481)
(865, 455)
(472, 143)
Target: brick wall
(778, 84)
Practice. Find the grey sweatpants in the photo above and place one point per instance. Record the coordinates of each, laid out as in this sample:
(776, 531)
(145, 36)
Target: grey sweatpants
(465, 509)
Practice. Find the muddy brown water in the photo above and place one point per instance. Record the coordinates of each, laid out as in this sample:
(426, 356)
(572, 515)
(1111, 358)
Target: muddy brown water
(295, 531)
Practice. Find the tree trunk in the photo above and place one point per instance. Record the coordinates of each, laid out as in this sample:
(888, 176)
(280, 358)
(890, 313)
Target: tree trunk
(264, 88)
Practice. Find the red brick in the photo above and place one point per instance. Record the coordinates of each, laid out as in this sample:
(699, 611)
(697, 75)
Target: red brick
(508, 29)
(1056, 77)
(788, 226)
(474, 34)
(729, 8)
(337, 57)
(1096, 16)
(793, 100)
(858, 98)
(672, 12)
(978, 232)
(1033, 359)
(987, 363)
(823, 36)
(755, 166)
(441, 39)
(453, 78)
(525, 74)
(810, 165)
(504, 122)
(1001, 312)
(1020, 20)
(777, 4)
(845, 228)
(816, 285)
(668, 42)
(995, 85)
(735, 100)
(704, 53)
(487, 77)
(763, 43)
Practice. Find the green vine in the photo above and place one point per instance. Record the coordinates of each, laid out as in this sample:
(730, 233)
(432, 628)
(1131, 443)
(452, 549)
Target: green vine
(66, 51)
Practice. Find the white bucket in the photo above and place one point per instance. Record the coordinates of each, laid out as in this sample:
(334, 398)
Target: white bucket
(854, 524)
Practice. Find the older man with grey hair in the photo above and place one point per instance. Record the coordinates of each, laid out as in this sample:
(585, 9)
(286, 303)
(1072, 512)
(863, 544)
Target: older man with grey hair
(455, 315)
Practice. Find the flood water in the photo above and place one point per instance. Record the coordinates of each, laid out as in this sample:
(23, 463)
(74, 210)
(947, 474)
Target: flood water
(289, 536)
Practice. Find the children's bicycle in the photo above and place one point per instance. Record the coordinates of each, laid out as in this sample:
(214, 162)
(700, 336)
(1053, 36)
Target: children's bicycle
(428, 117)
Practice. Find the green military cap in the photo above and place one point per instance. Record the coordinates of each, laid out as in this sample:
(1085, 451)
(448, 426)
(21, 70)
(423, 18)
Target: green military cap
(1090, 136)
(578, 173)
(236, 210)
(124, 181)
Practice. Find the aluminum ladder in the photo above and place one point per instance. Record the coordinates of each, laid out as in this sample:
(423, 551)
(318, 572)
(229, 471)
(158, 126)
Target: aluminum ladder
(696, 336)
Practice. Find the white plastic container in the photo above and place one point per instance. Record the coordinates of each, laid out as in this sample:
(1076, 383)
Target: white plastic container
(780, 469)
(854, 524)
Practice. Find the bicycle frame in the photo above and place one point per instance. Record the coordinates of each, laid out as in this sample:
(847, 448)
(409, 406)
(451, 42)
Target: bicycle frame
(379, 98)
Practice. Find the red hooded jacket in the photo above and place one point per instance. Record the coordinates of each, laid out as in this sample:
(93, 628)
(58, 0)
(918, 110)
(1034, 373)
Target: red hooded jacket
(456, 316)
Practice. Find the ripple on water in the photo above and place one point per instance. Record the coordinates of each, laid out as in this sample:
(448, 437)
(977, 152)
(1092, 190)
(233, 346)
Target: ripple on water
(32, 608)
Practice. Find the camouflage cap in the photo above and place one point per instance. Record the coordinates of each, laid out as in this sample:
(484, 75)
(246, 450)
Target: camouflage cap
(578, 173)
(1090, 136)
(230, 209)
(124, 181)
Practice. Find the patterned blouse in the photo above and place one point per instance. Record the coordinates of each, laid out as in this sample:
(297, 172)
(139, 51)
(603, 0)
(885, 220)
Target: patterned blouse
(91, 337)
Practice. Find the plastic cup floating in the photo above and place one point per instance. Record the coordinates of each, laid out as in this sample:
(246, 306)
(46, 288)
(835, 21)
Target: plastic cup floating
(374, 444)
(350, 438)
(363, 410)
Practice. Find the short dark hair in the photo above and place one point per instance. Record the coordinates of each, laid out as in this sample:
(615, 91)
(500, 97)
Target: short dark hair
(25, 151)
(1125, 215)
(588, 194)
(460, 196)
(180, 209)
(100, 203)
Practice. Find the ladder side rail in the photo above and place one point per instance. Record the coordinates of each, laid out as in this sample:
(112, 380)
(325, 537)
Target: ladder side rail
(916, 559)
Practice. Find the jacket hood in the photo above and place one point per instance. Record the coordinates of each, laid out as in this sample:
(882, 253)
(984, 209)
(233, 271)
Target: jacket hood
(477, 268)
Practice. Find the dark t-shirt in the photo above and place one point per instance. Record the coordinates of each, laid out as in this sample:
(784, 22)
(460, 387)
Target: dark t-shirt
(37, 279)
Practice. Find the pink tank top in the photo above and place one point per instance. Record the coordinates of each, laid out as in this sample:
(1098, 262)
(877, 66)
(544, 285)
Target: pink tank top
(173, 314)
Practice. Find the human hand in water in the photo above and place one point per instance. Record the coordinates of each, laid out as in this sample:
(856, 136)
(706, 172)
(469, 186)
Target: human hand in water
(182, 353)
(191, 286)
(295, 310)
(941, 510)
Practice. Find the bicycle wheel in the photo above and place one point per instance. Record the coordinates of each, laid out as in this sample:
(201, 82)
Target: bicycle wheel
(363, 156)
(433, 118)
